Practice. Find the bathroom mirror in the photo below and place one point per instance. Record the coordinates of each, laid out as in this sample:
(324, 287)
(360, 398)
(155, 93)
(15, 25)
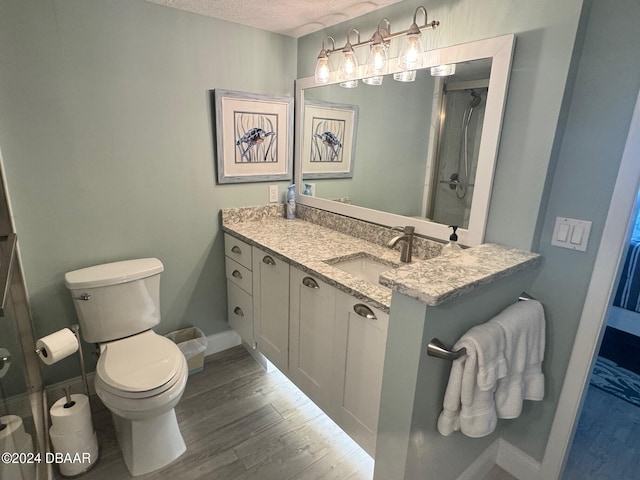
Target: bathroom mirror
(416, 153)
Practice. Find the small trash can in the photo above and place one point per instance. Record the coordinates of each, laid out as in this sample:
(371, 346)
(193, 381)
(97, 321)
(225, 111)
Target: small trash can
(192, 342)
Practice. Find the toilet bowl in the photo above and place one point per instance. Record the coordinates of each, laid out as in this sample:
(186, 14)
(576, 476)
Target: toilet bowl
(140, 379)
(140, 375)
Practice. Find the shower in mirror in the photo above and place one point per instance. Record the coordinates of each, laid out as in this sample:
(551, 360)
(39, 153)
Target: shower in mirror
(456, 157)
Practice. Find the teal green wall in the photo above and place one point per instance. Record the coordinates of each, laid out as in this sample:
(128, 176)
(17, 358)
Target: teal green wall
(602, 99)
(105, 130)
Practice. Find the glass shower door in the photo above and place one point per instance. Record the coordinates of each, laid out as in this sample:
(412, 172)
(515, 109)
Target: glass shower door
(17, 428)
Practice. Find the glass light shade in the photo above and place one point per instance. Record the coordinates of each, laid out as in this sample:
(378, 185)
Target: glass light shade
(349, 84)
(406, 76)
(443, 70)
(349, 64)
(377, 60)
(377, 80)
(323, 72)
(411, 52)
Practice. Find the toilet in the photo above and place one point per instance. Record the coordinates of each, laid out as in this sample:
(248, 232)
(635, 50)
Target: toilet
(140, 375)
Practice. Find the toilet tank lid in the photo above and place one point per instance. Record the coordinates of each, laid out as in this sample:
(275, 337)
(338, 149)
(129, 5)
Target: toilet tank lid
(113, 273)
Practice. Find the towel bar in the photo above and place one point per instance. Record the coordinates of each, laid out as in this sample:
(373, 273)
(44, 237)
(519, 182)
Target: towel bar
(436, 348)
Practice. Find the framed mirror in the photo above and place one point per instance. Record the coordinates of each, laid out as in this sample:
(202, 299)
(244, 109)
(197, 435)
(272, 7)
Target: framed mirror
(417, 153)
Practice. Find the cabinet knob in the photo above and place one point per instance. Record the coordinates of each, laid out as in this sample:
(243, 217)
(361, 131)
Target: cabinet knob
(268, 260)
(237, 274)
(310, 282)
(364, 311)
(238, 311)
(236, 249)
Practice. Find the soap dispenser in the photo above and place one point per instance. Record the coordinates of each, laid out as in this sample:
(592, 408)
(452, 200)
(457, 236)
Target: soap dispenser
(291, 202)
(452, 247)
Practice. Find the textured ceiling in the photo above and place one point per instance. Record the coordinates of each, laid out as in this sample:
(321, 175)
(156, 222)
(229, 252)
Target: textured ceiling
(289, 17)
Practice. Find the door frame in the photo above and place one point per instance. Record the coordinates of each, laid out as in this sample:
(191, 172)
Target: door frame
(597, 303)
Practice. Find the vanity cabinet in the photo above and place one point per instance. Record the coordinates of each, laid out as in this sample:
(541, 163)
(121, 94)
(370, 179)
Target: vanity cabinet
(330, 344)
(271, 307)
(312, 317)
(359, 349)
(239, 287)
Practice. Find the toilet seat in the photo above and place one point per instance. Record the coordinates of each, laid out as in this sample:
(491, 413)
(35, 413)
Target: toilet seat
(140, 366)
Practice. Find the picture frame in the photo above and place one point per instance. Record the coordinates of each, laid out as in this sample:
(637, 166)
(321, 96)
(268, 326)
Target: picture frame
(254, 137)
(328, 146)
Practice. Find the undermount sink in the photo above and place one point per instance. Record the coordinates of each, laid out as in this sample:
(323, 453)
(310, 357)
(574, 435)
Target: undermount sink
(365, 267)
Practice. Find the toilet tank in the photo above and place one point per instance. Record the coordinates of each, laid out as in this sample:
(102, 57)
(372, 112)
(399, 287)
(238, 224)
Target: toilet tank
(116, 300)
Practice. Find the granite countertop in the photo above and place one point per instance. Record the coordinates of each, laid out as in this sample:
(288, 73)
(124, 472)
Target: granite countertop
(309, 247)
(313, 248)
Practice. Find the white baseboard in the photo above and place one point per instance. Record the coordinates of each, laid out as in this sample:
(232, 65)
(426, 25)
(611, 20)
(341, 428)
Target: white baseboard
(507, 457)
(483, 463)
(221, 341)
(516, 462)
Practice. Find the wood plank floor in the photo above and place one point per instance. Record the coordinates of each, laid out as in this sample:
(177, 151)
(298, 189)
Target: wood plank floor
(607, 441)
(240, 423)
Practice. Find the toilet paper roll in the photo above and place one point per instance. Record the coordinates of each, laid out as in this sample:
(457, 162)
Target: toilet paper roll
(72, 419)
(81, 446)
(13, 437)
(57, 346)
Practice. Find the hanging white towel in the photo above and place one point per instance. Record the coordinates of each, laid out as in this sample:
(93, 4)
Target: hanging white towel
(524, 330)
(468, 403)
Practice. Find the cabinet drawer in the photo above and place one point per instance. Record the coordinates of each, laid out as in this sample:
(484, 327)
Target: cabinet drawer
(237, 250)
(240, 312)
(239, 275)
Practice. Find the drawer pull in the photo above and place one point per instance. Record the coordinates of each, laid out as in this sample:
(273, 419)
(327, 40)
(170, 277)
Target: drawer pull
(237, 274)
(238, 311)
(268, 260)
(364, 311)
(310, 282)
(236, 249)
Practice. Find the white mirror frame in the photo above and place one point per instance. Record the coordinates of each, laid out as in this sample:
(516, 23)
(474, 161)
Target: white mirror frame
(500, 50)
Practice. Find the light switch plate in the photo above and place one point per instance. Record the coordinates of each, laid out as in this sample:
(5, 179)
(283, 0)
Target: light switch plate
(273, 193)
(571, 233)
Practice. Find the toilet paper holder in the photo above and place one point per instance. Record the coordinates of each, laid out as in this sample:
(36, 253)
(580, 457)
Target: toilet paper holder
(75, 328)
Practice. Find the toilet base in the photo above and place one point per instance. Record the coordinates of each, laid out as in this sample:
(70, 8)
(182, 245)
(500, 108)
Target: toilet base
(150, 444)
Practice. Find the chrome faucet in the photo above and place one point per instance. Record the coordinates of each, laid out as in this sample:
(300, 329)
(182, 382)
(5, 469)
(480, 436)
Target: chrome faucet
(407, 242)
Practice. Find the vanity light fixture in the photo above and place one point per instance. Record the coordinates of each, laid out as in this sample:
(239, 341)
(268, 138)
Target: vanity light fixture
(348, 71)
(443, 70)
(323, 71)
(377, 61)
(377, 64)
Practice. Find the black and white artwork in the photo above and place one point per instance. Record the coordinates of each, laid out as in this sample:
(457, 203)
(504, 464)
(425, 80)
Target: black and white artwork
(254, 137)
(328, 139)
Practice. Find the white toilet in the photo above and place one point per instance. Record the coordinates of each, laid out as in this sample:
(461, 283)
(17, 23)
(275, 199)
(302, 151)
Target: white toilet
(140, 375)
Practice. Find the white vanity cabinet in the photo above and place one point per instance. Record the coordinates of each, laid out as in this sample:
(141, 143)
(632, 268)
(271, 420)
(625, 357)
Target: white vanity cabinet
(312, 317)
(271, 307)
(239, 287)
(359, 349)
(330, 344)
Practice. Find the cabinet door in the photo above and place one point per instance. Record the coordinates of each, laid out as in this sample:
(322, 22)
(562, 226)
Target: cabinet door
(312, 335)
(361, 337)
(271, 307)
(240, 311)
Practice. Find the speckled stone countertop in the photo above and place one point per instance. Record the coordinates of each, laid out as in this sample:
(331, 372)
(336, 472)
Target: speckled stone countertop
(313, 248)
